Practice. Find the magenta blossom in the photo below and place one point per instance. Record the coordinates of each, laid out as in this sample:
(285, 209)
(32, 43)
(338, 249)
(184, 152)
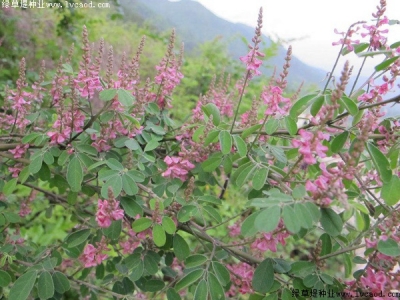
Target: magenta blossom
(93, 256)
(277, 104)
(310, 143)
(252, 62)
(108, 211)
(177, 167)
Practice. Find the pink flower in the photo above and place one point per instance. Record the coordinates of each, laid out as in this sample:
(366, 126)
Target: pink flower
(88, 82)
(268, 242)
(277, 104)
(310, 143)
(93, 256)
(19, 151)
(108, 211)
(252, 62)
(347, 41)
(177, 167)
(241, 277)
(234, 230)
(376, 38)
(168, 77)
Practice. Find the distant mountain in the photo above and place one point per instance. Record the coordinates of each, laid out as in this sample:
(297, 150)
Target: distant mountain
(195, 24)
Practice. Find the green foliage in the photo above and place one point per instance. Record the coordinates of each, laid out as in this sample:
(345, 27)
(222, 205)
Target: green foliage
(105, 192)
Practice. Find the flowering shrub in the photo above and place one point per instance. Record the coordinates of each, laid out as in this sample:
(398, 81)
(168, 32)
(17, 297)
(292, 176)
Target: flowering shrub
(151, 202)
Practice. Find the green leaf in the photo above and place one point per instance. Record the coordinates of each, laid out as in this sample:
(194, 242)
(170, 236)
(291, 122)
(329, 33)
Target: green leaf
(212, 163)
(271, 126)
(169, 225)
(302, 268)
(339, 141)
(381, 163)
(76, 238)
(173, 295)
(290, 219)
(116, 186)
(107, 95)
(132, 144)
(195, 260)
(391, 191)
(313, 209)
(259, 178)
(210, 199)
(141, 224)
(300, 105)
(153, 144)
(245, 175)
(225, 141)
(281, 266)
(316, 106)
(45, 286)
(23, 286)
(240, 145)
(181, 248)
(24, 175)
(87, 149)
(114, 231)
(212, 137)
(310, 280)
(247, 132)
(159, 235)
(360, 47)
(48, 158)
(215, 287)
(125, 97)
(222, 273)
(277, 152)
(385, 64)
(131, 208)
(212, 109)
(30, 137)
(5, 278)
(154, 285)
(201, 291)
(61, 283)
(349, 104)
(36, 164)
(291, 125)
(136, 175)
(227, 164)
(248, 226)
(151, 260)
(10, 186)
(373, 53)
(389, 247)
(138, 270)
(213, 213)
(129, 185)
(12, 217)
(357, 118)
(303, 215)
(268, 219)
(114, 164)
(299, 192)
(186, 213)
(75, 174)
(331, 222)
(326, 244)
(189, 279)
(263, 277)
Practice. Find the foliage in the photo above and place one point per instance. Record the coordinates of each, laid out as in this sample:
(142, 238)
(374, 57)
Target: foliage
(122, 200)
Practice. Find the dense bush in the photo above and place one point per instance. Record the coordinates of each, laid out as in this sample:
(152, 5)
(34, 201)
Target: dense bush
(105, 195)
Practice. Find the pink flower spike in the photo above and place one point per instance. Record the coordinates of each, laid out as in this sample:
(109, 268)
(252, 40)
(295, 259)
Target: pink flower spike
(108, 211)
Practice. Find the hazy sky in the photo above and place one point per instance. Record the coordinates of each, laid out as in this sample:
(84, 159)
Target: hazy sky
(311, 22)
